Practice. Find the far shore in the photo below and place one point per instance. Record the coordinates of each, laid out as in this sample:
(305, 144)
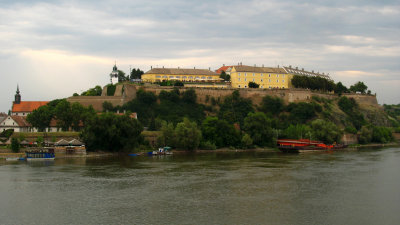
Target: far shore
(7, 153)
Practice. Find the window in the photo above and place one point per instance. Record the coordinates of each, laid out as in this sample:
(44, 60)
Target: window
(184, 77)
(269, 80)
(269, 87)
(277, 81)
(190, 77)
(269, 75)
(165, 76)
(239, 74)
(209, 78)
(283, 75)
(245, 86)
(178, 77)
(261, 74)
(239, 85)
(262, 86)
(245, 74)
(253, 74)
(158, 76)
(239, 79)
(253, 79)
(245, 79)
(283, 81)
(261, 80)
(277, 75)
(171, 76)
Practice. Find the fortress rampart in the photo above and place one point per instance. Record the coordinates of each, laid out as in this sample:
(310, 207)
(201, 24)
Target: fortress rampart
(126, 92)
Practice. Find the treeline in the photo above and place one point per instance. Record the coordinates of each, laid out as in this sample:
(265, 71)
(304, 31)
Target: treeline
(323, 84)
(66, 115)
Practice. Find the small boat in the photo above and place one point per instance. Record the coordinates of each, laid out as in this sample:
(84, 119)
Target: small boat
(40, 154)
(12, 159)
(304, 145)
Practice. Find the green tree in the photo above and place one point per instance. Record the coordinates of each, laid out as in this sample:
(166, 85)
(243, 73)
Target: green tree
(258, 126)
(40, 117)
(246, 141)
(15, 144)
(298, 131)
(340, 88)
(63, 115)
(235, 108)
(301, 112)
(188, 136)
(121, 76)
(365, 136)
(272, 105)
(110, 132)
(326, 131)
(96, 91)
(107, 106)
(253, 85)
(220, 132)
(136, 73)
(359, 87)
(77, 112)
(167, 137)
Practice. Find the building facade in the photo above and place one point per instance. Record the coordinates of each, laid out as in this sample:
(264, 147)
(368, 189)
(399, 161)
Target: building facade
(266, 77)
(179, 74)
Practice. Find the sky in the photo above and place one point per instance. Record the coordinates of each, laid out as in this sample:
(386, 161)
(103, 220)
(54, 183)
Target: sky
(52, 49)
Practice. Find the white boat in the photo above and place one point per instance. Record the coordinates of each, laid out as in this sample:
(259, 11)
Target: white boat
(12, 159)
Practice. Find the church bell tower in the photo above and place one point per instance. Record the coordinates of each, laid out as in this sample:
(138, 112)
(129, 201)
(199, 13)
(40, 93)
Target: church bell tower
(17, 99)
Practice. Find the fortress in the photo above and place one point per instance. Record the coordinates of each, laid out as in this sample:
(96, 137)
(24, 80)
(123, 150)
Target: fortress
(127, 91)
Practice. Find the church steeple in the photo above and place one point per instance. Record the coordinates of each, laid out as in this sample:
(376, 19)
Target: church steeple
(114, 74)
(17, 96)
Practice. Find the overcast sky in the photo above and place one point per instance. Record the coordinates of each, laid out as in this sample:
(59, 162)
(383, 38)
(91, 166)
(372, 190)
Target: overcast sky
(55, 48)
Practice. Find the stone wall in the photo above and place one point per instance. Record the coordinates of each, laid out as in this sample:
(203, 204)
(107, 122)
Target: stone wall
(349, 139)
(126, 92)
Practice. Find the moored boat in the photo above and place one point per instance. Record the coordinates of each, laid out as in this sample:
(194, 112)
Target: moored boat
(304, 145)
(40, 154)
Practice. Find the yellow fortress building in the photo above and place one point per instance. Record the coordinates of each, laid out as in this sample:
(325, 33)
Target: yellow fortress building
(184, 75)
(266, 77)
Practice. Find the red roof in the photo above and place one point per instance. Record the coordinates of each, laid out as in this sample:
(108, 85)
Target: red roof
(223, 68)
(27, 106)
(21, 121)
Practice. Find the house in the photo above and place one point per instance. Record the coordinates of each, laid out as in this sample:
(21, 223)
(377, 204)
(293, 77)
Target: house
(23, 108)
(20, 124)
(180, 74)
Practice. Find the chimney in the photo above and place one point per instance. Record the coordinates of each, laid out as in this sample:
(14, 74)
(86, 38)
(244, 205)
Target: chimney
(163, 67)
(263, 65)
(194, 67)
(312, 71)
(151, 67)
(290, 66)
(209, 68)
(297, 68)
(255, 65)
(241, 63)
(223, 64)
(178, 67)
(278, 66)
(302, 69)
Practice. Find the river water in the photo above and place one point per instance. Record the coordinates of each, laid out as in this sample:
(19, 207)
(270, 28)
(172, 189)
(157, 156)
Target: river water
(348, 187)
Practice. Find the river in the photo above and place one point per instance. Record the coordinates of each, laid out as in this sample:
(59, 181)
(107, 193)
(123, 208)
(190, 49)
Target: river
(346, 187)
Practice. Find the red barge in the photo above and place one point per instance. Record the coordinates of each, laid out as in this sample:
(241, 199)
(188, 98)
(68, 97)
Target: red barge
(300, 145)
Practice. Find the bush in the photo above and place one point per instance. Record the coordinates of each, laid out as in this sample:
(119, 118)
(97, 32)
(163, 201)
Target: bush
(111, 89)
(350, 130)
(382, 135)
(7, 133)
(207, 145)
(15, 144)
